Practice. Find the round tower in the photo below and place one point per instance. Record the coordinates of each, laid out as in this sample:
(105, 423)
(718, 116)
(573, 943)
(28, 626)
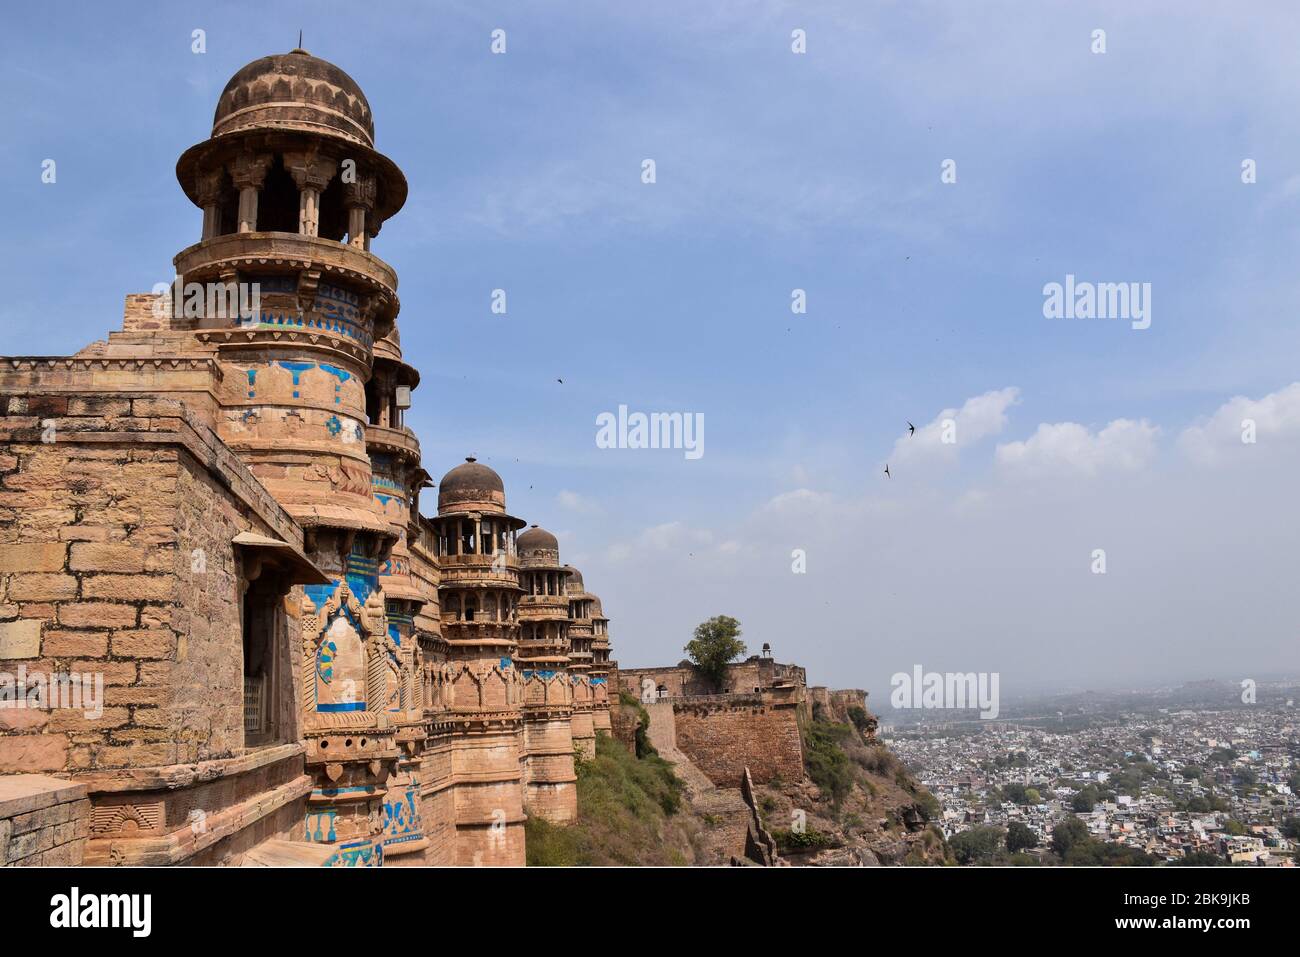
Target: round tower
(283, 288)
(580, 660)
(550, 788)
(600, 668)
(395, 479)
(478, 596)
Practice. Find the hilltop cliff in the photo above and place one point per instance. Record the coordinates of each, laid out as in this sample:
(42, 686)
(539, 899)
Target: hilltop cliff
(857, 805)
(781, 774)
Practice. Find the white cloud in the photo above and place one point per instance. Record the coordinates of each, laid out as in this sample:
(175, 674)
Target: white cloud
(977, 419)
(575, 502)
(800, 501)
(1276, 416)
(667, 537)
(1068, 448)
(992, 574)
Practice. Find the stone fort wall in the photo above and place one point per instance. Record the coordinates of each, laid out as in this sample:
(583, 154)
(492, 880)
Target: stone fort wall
(752, 722)
(724, 736)
(122, 567)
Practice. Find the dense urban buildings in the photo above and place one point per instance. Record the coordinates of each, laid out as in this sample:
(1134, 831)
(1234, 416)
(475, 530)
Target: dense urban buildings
(1175, 782)
(211, 537)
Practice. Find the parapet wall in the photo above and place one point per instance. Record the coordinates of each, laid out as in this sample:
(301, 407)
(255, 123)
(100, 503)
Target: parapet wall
(743, 677)
(44, 821)
(120, 585)
(121, 572)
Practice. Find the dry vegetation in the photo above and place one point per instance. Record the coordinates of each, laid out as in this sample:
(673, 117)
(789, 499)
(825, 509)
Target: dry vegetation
(859, 805)
(631, 812)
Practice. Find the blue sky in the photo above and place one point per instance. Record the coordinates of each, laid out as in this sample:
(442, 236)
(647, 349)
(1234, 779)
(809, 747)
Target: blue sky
(778, 171)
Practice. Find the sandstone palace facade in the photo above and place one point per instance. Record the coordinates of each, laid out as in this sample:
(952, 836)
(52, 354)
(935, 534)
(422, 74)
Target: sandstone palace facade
(216, 512)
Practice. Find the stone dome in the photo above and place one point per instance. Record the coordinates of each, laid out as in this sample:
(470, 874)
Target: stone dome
(575, 585)
(471, 486)
(293, 102)
(297, 91)
(537, 539)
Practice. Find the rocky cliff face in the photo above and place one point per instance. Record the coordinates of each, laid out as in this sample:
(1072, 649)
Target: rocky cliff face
(858, 805)
(852, 804)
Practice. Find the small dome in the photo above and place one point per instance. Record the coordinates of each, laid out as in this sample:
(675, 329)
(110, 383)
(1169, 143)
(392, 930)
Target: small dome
(538, 545)
(471, 487)
(295, 91)
(575, 585)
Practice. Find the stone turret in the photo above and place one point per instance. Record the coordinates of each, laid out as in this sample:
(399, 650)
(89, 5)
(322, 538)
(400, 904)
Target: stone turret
(600, 668)
(549, 778)
(479, 595)
(580, 659)
(292, 191)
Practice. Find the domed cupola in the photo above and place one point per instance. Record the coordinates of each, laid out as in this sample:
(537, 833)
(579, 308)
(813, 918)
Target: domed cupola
(471, 486)
(298, 91)
(538, 546)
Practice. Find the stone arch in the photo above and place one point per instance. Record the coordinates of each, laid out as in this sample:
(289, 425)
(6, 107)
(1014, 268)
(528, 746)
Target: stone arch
(466, 689)
(342, 640)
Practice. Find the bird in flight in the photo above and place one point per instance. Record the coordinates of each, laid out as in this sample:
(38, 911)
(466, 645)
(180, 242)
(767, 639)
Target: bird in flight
(886, 470)
(911, 429)
(561, 381)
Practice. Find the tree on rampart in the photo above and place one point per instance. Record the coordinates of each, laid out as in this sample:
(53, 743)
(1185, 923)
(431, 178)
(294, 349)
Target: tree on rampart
(716, 642)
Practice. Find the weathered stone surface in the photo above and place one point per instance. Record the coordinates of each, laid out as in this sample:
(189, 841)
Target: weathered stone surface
(43, 587)
(98, 614)
(32, 752)
(35, 557)
(104, 557)
(20, 639)
(43, 821)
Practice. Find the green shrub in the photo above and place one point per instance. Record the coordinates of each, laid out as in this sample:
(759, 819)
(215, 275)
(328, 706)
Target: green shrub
(643, 746)
(551, 845)
(809, 839)
(878, 760)
(929, 804)
(979, 845)
(827, 764)
(1020, 837)
(858, 715)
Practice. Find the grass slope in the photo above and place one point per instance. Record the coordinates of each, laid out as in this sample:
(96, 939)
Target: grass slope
(629, 813)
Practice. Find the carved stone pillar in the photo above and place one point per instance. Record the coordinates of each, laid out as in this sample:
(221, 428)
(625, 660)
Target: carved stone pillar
(209, 197)
(359, 196)
(248, 173)
(311, 173)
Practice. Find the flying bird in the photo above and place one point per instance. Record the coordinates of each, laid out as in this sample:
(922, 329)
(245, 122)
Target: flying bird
(561, 381)
(911, 429)
(886, 470)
